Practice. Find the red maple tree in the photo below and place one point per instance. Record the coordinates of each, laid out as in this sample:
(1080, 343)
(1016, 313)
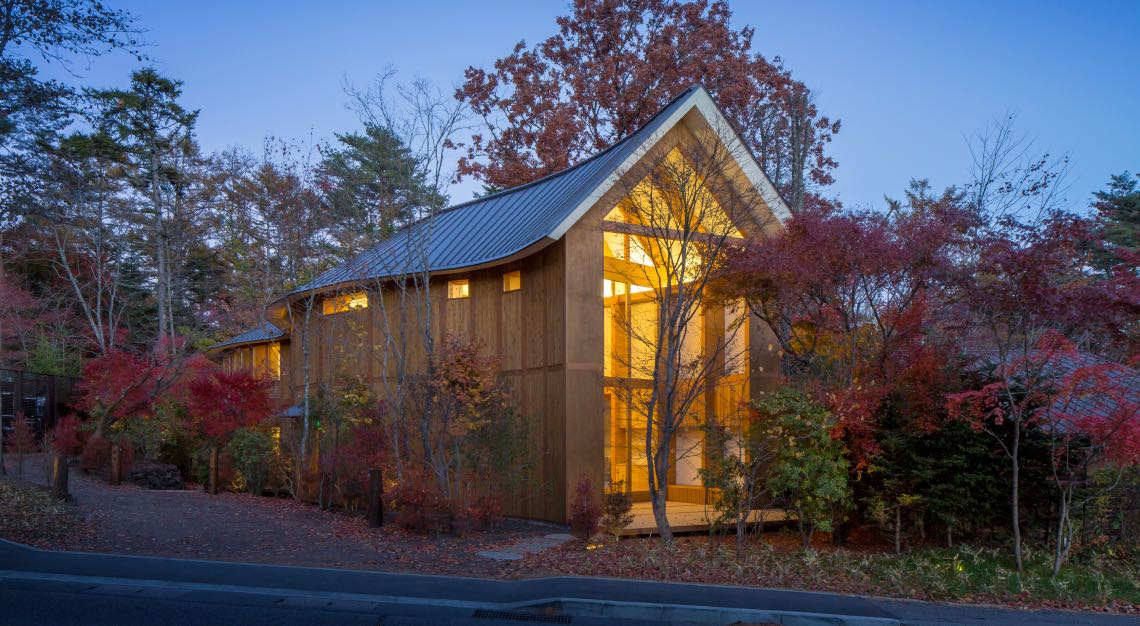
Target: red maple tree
(1028, 296)
(611, 67)
(853, 296)
(221, 402)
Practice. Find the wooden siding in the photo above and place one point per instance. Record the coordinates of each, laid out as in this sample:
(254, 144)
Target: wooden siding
(549, 335)
(525, 328)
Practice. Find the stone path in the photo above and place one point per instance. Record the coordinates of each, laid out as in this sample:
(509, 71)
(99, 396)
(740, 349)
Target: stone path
(529, 545)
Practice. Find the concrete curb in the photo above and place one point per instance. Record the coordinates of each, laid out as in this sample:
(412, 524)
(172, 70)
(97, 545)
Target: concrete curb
(356, 602)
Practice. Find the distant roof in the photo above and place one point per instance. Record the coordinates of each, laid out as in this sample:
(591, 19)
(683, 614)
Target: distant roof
(500, 225)
(1125, 380)
(262, 332)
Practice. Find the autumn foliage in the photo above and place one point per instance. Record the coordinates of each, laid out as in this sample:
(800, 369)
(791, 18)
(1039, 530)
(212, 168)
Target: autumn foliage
(222, 402)
(613, 65)
(585, 509)
(855, 294)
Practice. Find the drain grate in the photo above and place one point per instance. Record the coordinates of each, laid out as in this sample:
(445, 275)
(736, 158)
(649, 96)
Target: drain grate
(520, 616)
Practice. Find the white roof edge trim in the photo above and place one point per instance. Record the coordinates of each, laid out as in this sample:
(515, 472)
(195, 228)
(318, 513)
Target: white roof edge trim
(592, 199)
(744, 158)
(703, 102)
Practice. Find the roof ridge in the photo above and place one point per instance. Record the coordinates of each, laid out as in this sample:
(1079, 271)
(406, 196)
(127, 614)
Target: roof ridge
(575, 166)
(576, 174)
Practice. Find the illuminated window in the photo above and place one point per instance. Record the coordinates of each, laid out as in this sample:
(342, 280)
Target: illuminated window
(458, 289)
(260, 356)
(346, 302)
(735, 338)
(273, 367)
(512, 281)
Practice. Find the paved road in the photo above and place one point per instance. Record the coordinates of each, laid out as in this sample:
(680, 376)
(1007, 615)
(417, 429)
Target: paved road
(41, 607)
(44, 588)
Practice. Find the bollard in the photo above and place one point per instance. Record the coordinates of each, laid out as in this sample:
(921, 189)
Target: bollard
(59, 476)
(116, 464)
(212, 481)
(375, 499)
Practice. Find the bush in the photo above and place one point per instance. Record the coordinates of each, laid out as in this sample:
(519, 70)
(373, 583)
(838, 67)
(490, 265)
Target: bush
(65, 438)
(96, 455)
(479, 512)
(809, 466)
(159, 476)
(251, 450)
(616, 509)
(419, 507)
(585, 511)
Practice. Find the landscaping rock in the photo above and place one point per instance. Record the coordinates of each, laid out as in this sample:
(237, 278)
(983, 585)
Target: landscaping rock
(156, 476)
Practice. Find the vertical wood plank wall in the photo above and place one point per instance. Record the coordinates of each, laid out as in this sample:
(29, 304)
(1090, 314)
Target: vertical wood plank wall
(525, 328)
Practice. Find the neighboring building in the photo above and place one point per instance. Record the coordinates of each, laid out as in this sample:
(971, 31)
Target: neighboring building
(262, 349)
(545, 276)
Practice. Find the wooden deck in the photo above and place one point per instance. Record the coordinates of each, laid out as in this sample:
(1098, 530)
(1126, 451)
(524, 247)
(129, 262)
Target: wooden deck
(685, 517)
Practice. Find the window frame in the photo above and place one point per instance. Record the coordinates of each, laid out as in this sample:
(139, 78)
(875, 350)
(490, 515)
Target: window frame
(460, 285)
(344, 303)
(507, 276)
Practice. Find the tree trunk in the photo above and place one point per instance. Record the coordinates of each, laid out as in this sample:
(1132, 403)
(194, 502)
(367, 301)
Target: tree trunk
(1064, 533)
(212, 480)
(898, 529)
(660, 515)
(741, 532)
(1015, 508)
(59, 476)
(161, 287)
(657, 470)
(375, 499)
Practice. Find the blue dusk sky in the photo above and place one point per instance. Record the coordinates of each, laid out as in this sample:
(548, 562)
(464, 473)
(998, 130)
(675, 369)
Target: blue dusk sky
(909, 80)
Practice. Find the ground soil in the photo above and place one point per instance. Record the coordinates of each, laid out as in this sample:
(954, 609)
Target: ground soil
(126, 519)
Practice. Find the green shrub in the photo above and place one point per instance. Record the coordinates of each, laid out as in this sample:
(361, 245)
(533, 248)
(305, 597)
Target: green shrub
(252, 451)
(808, 467)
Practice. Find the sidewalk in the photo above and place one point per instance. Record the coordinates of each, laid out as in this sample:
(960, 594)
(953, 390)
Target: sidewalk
(572, 596)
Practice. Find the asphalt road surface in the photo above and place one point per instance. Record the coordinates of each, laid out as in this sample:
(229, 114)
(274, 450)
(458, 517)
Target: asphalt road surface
(46, 588)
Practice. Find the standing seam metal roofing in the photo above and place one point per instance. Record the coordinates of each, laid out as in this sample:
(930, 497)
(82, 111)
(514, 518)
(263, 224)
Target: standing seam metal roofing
(494, 227)
(263, 332)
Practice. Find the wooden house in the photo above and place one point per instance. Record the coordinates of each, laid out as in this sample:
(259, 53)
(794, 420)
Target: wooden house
(544, 276)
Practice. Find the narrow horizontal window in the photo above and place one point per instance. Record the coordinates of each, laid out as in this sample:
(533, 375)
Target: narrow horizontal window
(512, 281)
(346, 302)
(458, 289)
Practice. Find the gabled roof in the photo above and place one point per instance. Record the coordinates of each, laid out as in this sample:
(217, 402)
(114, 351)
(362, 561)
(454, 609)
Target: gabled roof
(504, 224)
(262, 332)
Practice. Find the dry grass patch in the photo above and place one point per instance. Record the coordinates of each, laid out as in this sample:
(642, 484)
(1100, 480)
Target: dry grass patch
(965, 574)
(29, 514)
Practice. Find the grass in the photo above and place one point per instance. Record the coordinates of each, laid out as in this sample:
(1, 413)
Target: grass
(965, 574)
(29, 514)
(989, 574)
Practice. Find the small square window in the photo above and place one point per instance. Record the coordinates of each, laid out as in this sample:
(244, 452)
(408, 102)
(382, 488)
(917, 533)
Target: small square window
(512, 281)
(458, 289)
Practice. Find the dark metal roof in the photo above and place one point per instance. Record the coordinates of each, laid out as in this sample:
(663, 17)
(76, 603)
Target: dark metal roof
(496, 226)
(263, 332)
(1123, 381)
